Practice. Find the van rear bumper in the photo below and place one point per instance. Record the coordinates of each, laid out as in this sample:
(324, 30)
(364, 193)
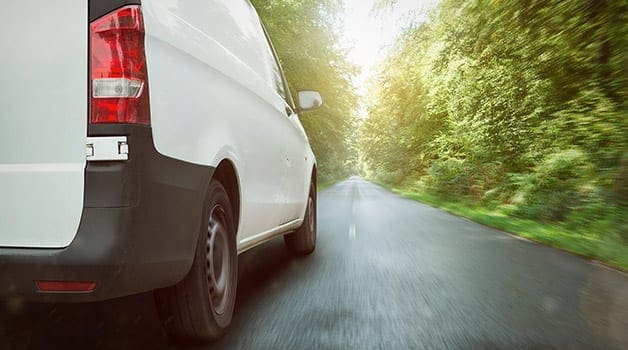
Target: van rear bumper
(138, 230)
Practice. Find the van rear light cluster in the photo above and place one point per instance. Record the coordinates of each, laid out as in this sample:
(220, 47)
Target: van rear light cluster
(119, 80)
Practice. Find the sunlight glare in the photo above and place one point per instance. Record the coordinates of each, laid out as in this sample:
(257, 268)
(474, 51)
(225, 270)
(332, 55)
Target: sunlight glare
(368, 34)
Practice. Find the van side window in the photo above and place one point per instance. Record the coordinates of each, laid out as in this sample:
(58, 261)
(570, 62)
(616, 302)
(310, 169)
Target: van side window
(273, 65)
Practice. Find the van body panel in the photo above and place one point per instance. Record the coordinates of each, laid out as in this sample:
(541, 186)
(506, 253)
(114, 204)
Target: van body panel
(229, 108)
(43, 122)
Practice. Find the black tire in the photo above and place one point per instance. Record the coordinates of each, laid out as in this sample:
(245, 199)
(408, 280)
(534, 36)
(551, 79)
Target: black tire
(199, 309)
(303, 240)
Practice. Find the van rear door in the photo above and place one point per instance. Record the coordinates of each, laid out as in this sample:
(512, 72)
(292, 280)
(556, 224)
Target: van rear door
(43, 121)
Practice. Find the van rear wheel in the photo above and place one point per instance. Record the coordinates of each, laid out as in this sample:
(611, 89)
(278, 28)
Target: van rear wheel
(199, 309)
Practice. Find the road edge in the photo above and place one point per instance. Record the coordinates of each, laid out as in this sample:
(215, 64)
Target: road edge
(593, 261)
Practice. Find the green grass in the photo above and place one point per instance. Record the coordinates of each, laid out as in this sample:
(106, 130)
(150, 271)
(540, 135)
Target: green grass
(585, 242)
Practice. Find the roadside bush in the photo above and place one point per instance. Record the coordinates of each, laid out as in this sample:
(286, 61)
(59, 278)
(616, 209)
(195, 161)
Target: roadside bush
(448, 177)
(395, 177)
(559, 184)
(489, 183)
(598, 216)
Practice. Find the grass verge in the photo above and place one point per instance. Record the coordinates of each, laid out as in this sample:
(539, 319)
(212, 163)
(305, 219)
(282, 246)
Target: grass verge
(585, 243)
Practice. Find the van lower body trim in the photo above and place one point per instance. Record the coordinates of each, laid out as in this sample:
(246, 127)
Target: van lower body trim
(138, 230)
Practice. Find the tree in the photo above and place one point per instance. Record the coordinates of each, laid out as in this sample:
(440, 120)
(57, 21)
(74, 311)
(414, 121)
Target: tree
(486, 97)
(308, 46)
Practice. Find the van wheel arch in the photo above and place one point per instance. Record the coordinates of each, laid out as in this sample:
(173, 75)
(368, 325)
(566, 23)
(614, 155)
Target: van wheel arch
(227, 175)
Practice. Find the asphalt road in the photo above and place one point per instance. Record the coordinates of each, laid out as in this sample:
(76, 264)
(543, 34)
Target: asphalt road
(388, 273)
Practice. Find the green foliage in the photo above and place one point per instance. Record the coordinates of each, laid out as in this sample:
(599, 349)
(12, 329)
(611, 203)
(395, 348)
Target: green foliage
(560, 183)
(308, 48)
(518, 105)
(448, 177)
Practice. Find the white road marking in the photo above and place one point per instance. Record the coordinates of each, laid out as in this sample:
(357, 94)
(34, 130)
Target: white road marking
(352, 231)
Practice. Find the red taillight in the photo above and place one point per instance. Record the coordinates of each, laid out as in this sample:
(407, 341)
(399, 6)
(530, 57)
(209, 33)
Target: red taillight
(119, 80)
(65, 287)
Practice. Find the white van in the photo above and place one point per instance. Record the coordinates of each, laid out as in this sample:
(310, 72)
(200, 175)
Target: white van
(143, 146)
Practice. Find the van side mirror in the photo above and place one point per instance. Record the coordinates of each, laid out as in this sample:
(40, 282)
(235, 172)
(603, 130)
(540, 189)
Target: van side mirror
(309, 101)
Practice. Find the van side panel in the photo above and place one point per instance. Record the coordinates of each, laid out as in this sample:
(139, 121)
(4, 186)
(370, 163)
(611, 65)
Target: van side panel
(212, 99)
(43, 121)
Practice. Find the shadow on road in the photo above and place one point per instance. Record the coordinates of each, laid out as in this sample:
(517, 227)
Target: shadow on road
(132, 322)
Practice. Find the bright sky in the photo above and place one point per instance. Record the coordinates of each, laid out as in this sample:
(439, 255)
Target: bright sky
(368, 35)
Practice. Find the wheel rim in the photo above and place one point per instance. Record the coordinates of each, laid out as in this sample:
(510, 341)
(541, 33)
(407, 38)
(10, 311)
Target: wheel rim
(218, 269)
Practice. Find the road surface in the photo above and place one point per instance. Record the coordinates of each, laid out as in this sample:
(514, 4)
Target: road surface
(388, 273)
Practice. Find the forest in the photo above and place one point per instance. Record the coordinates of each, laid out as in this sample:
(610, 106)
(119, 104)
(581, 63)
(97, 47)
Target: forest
(516, 106)
(512, 108)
